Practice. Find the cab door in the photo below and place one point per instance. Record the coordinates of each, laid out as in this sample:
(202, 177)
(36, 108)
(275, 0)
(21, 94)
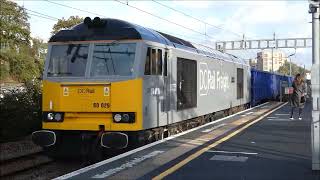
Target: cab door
(165, 83)
(157, 85)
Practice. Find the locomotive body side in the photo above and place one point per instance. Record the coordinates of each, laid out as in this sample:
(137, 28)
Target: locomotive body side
(218, 86)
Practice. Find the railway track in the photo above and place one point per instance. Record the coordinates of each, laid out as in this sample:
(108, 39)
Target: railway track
(23, 160)
(23, 163)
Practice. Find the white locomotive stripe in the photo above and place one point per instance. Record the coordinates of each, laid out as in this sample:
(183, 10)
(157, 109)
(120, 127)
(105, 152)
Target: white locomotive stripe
(93, 166)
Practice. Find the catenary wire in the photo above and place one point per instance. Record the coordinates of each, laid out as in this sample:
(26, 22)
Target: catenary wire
(75, 8)
(146, 13)
(197, 19)
(41, 14)
(163, 19)
(134, 8)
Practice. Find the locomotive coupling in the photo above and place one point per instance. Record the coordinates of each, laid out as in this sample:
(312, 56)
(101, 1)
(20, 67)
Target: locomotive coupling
(115, 140)
(44, 138)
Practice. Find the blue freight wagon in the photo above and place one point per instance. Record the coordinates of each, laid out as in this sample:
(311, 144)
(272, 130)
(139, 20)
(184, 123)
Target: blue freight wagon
(267, 86)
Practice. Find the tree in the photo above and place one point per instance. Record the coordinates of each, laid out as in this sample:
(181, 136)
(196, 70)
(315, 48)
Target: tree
(39, 52)
(21, 61)
(39, 49)
(66, 24)
(15, 29)
(285, 68)
(18, 60)
(295, 69)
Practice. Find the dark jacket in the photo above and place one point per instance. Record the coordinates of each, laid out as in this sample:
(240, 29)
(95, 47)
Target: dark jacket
(298, 92)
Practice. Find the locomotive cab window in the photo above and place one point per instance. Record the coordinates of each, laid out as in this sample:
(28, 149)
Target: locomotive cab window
(159, 62)
(186, 83)
(113, 59)
(68, 60)
(239, 83)
(165, 64)
(147, 66)
(154, 62)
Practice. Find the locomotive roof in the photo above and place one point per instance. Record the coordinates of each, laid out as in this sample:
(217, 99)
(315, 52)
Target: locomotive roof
(115, 29)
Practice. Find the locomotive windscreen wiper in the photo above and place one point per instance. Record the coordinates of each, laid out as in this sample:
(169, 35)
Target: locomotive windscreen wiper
(60, 73)
(115, 52)
(76, 54)
(109, 51)
(114, 59)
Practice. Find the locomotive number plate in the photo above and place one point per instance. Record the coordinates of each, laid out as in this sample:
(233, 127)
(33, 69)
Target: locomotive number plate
(100, 105)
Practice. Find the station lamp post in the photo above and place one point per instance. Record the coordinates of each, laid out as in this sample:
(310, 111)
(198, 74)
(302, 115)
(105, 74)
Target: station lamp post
(290, 60)
(315, 84)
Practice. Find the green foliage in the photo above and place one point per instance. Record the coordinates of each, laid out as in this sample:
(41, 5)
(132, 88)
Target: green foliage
(295, 69)
(39, 52)
(19, 58)
(4, 70)
(15, 29)
(20, 112)
(38, 49)
(66, 23)
(22, 66)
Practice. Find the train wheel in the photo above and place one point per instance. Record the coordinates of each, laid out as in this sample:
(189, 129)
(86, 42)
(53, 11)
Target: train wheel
(96, 151)
(96, 154)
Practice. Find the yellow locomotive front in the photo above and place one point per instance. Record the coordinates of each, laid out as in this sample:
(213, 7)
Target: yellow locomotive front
(92, 93)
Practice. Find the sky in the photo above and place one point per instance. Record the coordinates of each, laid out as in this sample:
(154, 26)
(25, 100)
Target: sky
(228, 20)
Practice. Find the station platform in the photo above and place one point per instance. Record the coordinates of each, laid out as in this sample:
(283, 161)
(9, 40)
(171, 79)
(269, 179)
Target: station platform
(259, 143)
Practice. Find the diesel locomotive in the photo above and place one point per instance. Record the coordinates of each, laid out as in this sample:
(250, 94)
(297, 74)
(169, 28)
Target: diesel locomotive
(108, 84)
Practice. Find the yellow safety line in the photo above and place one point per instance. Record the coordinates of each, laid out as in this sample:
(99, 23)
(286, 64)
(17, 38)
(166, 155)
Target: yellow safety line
(201, 151)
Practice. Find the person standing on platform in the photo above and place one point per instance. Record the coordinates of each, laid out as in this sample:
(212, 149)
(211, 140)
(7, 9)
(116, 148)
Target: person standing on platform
(298, 97)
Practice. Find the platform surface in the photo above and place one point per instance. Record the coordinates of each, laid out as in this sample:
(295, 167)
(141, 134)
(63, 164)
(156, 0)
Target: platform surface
(273, 147)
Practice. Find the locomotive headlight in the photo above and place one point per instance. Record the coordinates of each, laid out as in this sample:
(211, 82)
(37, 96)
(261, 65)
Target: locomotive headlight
(53, 116)
(57, 117)
(117, 117)
(50, 116)
(125, 117)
